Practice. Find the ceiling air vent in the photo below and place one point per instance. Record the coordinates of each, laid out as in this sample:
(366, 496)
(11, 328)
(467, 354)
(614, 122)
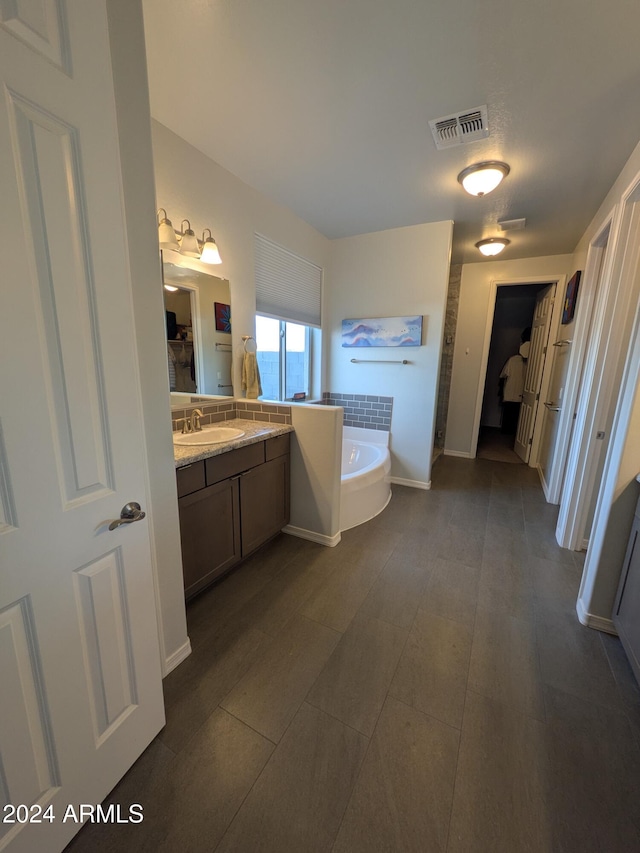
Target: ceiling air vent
(460, 127)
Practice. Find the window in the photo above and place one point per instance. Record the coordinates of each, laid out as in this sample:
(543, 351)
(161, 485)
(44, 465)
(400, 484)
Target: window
(288, 300)
(283, 351)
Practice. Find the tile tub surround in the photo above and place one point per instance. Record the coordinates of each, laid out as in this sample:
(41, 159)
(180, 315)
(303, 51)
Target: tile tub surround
(254, 431)
(228, 410)
(362, 410)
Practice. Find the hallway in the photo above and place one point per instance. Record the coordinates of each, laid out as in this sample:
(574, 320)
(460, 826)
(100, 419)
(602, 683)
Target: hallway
(424, 686)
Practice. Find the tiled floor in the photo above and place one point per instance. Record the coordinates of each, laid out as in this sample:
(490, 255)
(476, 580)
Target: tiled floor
(425, 686)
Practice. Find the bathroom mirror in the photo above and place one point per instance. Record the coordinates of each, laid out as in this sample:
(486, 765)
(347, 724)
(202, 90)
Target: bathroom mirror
(198, 312)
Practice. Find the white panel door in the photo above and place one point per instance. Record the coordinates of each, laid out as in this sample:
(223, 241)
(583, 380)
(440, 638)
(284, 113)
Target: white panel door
(533, 377)
(80, 694)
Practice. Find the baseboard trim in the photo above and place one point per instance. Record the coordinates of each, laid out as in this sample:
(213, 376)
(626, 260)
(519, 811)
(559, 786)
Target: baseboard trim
(462, 454)
(585, 544)
(312, 536)
(412, 484)
(599, 623)
(177, 657)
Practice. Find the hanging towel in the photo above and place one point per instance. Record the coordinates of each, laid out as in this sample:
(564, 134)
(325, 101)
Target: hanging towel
(251, 376)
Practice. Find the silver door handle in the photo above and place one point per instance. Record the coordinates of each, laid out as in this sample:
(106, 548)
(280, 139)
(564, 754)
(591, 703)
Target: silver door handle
(129, 513)
(552, 407)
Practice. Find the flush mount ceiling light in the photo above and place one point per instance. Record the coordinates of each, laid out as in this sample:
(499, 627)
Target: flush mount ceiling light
(492, 245)
(171, 288)
(166, 233)
(210, 253)
(482, 178)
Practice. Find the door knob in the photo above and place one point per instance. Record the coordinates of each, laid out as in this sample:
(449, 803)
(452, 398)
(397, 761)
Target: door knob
(552, 407)
(130, 512)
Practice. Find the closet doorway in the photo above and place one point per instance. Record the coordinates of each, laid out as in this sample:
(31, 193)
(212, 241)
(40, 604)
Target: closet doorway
(522, 316)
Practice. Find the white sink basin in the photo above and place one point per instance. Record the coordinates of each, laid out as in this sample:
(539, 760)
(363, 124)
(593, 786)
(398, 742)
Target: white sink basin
(207, 435)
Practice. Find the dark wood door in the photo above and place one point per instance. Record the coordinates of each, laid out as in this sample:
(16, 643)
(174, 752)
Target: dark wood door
(210, 533)
(264, 502)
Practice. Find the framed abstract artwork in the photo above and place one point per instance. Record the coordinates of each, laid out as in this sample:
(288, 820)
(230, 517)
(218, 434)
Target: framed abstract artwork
(569, 307)
(382, 332)
(223, 317)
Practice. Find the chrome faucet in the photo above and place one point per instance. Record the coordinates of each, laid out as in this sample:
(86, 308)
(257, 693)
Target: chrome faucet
(194, 423)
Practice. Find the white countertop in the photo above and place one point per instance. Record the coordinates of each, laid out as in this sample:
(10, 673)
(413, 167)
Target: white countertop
(254, 431)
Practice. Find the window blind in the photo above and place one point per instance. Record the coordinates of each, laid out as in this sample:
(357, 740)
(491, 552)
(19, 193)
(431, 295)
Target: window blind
(288, 287)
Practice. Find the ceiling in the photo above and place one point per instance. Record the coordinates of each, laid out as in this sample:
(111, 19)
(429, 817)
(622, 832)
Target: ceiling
(323, 106)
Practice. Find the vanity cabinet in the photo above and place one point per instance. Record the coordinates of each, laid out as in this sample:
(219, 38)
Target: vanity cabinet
(626, 610)
(230, 505)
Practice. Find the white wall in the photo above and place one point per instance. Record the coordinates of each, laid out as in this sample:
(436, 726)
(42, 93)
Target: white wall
(189, 185)
(619, 491)
(132, 105)
(316, 457)
(471, 333)
(399, 272)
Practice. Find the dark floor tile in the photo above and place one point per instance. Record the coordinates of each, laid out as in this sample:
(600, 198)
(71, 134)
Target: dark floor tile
(462, 546)
(504, 513)
(223, 599)
(337, 600)
(593, 757)
(504, 548)
(224, 760)
(555, 585)
(432, 672)
(402, 799)
(504, 662)
(369, 544)
(539, 512)
(628, 686)
(505, 584)
(471, 515)
(451, 592)
(395, 595)
(578, 558)
(193, 690)
(506, 492)
(300, 797)
(141, 785)
(276, 603)
(542, 543)
(353, 685)
(273, 689)
(572, 658)
(499, 802)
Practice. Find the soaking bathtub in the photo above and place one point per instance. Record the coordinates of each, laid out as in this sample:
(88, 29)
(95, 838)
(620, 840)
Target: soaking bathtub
(365, 489)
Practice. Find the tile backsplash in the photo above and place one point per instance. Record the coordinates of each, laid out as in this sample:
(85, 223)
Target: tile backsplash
(367, 411)
(213, 413)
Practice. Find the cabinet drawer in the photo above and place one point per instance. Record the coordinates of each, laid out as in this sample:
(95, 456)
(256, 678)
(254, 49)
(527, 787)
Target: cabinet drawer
(278, 446)
(190, 478)
(234, 462)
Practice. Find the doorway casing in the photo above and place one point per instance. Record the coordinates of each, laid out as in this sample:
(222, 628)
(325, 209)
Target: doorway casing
(559, 280)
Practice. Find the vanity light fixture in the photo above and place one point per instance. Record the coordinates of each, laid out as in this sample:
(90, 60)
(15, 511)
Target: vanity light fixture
(210, 253)
(166, 233)
(482, 178)
(492, 245)
(189, 245)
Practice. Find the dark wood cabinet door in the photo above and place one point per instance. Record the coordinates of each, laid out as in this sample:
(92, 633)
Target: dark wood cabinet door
(210, 533)
(264, 502)
(626, 612)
